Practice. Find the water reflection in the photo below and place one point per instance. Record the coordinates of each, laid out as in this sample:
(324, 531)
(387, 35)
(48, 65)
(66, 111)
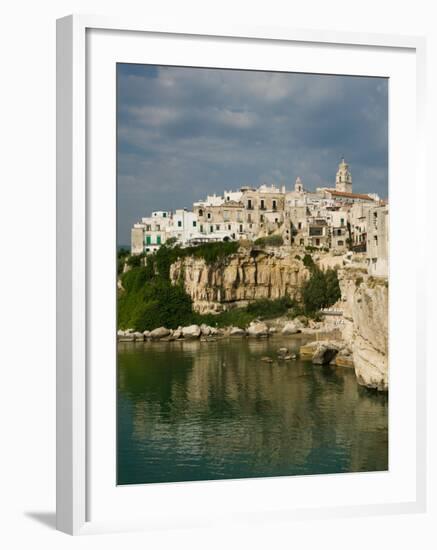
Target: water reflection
(193, 410)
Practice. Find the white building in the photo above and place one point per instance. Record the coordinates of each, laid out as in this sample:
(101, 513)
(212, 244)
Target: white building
(378, 240)
(184, 226)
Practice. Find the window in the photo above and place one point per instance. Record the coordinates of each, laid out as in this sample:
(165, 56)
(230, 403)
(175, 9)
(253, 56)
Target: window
(226, 215)
(158, 239)
(276, 220)
(342, 221)
(340, 243)
(148, 228)
(158, 228)
(229, 227)
(164, 215)
(217, 227)
(262, 204)
(249, 204)
(179, 223)
(274, 204)
(201, 228)
(200, 212)
(261, 218)
(299, 225)
(241, 229)
(227, 198)
(208, 215)
(211, 229)
(194, 223)
(148, 239)
(249, 217)
(317, 242)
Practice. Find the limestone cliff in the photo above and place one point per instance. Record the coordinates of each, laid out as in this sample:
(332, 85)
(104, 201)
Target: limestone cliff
(365, 325)
(240, 278)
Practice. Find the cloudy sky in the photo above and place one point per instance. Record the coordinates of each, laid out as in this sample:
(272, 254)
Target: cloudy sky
(184, 133)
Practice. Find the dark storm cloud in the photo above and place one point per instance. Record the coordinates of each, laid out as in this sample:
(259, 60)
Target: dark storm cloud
(184, 133)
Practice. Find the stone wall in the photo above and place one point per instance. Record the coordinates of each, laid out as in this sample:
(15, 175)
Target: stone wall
(365, 327)
(239, 279)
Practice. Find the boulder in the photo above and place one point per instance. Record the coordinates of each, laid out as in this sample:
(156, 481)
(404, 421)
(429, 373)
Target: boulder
(307, 351)
(120, 333)
(193, 331)
(282, 351)
(205, 330)
(237, 331)
(266, 359)
(258, 329)
(324, 354)
(158, 333)
(344, 361)
(139, 336)
(127, 337)
(177, 333)
(273, 330)
(146, 334)
(290, 328)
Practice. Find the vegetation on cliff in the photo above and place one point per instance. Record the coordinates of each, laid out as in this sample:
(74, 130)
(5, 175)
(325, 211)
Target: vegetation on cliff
(321, 290)
(148, 299)
(270, 240)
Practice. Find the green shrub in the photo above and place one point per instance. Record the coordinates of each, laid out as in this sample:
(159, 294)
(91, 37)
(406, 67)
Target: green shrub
(265, 309)
(136, 260)
(271, 240)
(238, 317)
(308, 262)
(321, 290)
(148, 303)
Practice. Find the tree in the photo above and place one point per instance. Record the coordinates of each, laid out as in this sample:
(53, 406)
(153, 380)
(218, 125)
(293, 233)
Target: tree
(321, 290)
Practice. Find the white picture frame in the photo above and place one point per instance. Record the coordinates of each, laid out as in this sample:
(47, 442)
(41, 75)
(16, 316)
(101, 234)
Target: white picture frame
(74, 279)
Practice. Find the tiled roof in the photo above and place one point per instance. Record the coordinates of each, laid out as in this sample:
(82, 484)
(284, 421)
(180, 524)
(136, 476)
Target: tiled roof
(347, 195)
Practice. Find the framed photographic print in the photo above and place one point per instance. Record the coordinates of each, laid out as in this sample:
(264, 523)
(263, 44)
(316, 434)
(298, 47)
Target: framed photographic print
(232, 275)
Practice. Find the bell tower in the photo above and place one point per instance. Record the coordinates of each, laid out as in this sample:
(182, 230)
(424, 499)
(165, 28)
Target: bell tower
(343, 179)
(298, 187)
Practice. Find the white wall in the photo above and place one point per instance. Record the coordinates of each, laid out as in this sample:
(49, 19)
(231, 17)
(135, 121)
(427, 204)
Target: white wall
(28, 321)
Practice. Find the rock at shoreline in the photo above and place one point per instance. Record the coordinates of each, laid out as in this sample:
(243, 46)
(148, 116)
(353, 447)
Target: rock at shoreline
(344, 361)
(324, 354)
(126, 337)
(258, 329)
(282, 351)
(291, 328)
(160, 332)
(193, 331)
(146, 334)
(205, 330)
(266, 359)
(139, 336)
(237, 331)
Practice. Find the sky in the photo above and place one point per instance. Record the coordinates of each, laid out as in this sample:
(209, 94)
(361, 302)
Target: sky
(184, 133)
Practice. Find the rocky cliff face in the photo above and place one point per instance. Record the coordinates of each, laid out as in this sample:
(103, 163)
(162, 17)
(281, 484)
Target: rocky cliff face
(365, 328)
(240, 278)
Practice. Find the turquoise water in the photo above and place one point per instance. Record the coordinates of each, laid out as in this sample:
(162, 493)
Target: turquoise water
(200, 411)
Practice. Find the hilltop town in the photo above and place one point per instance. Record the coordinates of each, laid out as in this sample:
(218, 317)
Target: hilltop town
(333, 219)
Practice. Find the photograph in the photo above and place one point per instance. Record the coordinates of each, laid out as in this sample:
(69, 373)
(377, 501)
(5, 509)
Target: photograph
(252, 266)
